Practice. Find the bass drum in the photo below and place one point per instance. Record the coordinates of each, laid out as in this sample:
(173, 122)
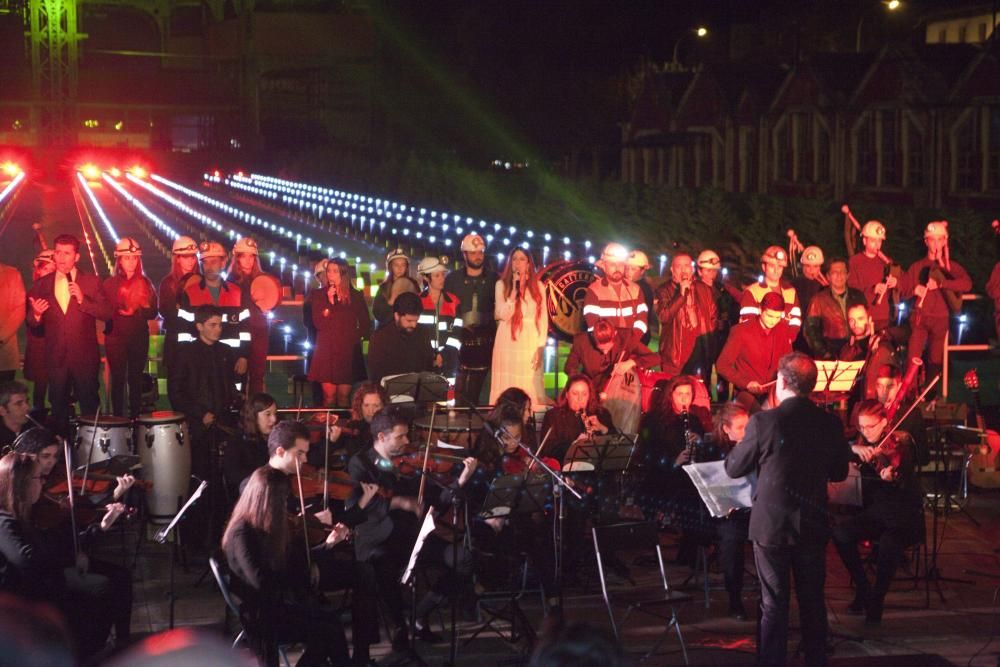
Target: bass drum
(165, 453)
(565, 286)
(265, 291)
(99, 439)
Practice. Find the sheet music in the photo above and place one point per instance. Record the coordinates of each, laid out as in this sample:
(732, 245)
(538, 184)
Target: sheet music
(720, 492)
(426, 528)
(837, 375)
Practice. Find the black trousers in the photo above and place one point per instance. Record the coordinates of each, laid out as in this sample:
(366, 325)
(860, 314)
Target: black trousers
(893, 536)
(776, 565)
(389, 561)
(84, 385)
(339, 571)
(127, 358)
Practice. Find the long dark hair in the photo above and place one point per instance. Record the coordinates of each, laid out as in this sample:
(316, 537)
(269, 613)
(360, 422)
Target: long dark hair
(344, 289)
(667, 402)
(592, 403)
(727, 413)
(257, 404)
(263, 505)
(135, 292)
(177, 272)
(531, 284)
(235, 273)
(16, 471)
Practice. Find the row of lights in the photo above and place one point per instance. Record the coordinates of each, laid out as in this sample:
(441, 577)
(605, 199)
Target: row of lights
(371, 212)
(164, 228)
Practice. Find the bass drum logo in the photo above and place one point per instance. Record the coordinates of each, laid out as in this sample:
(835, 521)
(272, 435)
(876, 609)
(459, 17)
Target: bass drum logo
(565, 289)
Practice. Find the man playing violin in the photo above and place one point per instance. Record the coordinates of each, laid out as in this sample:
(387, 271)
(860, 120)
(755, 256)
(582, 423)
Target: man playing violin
(387, 535)
(288, 450)
(892, 509)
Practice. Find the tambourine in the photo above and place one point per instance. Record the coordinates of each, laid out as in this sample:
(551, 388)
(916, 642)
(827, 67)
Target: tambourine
(265, 291)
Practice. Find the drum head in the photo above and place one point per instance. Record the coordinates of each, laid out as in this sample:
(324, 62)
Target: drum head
(161, 417)
(265, 290)
(498, 511)
(107, 421)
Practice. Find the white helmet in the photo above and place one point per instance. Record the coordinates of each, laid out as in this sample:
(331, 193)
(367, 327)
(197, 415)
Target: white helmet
(184, 245)
(638, 258)
(395, 253)
(128, 247)
(812, 256)
(429, 265)
(211, 249)
(874, 229)
(614, 252)
(708, 259)
(245, 244)
(473, 242)
(938, 228)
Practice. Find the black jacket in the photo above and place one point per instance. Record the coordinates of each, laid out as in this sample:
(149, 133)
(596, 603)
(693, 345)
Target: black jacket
(795, 449)
(202, 380)
(71, 337)
(391, 352)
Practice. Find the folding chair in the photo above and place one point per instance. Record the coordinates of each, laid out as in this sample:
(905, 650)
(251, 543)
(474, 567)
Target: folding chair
(221, 574)
(658, 601)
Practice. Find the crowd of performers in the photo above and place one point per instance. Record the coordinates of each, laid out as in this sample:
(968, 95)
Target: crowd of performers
(474, 324)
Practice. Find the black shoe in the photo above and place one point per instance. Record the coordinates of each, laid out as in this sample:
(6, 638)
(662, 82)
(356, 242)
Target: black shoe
(737, 610)
(400, 639)
(427, 635)
(858, 605)
(873, 614)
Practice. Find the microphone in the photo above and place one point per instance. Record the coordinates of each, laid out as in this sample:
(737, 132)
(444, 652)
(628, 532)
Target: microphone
(517, 284)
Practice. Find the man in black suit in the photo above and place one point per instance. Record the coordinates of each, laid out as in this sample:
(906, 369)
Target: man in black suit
(67, 304)
(391, 523)
(795, 449)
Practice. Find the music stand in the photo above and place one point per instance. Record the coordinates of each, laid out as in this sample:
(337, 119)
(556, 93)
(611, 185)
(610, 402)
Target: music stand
(512, 495)
(608, 453)
(421, 387)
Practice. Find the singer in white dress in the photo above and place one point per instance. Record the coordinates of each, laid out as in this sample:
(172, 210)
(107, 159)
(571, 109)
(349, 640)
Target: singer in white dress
(522, 330)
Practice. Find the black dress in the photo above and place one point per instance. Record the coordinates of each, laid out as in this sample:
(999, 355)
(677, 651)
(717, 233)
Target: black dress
(339, 329)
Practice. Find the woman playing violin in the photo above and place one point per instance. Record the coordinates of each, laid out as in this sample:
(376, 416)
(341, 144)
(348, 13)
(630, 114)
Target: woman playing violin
(51, 520)
(35, 567)
(243, 456)
(892, 508)
(271, 580)
(518, 399)
(355, 435)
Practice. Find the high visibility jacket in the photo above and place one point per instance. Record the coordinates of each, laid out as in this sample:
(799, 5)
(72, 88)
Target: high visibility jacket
(235, 308)
(444, 327)
(752, 296)
(626, 309)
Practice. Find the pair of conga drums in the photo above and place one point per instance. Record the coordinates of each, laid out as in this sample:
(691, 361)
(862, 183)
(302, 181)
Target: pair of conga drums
(159, 439)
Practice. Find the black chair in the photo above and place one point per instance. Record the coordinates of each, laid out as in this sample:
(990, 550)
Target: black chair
(658, 601)
(247, 633)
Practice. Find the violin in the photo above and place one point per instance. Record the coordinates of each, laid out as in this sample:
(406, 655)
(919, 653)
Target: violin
(410, 463)
(336, 484)
(307, 528)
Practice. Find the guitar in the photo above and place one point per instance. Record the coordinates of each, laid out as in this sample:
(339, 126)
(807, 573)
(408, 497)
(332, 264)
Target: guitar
(984, 461)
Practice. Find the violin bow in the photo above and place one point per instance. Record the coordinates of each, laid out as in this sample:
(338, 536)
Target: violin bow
(913, 407)
(541, 447)
(72, 502)
(427, 457)
(302, 510)
(90, 455)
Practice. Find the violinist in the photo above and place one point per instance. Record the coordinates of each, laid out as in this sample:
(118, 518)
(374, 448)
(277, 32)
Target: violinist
(865, 344)
(578, 415)
(936, 283)
(14, 410)
(288, 448)
(50, 518)
(669, 438)
(385, 538)
(500, 455)
(269, 578)
(891, 513)
(39, 568)
(888, 385)
(356, 435)
(518, 399)
(249, 452)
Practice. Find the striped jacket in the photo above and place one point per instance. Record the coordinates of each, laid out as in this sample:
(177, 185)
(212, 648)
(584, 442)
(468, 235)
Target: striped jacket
(444, 327)
(750, 304)
(235, 308)
(625, 310)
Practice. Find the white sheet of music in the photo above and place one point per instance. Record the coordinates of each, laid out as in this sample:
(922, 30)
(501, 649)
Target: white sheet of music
(720, 492)
(426, 528)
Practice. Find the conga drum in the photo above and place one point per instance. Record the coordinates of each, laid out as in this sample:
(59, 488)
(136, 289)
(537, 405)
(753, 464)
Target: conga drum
(165, 453)
(456, 428)
(101, 438)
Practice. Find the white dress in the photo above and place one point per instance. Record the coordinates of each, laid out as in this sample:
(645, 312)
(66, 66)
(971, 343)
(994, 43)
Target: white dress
(512, 358)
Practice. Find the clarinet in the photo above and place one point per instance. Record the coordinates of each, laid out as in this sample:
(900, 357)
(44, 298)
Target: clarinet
(690, 439)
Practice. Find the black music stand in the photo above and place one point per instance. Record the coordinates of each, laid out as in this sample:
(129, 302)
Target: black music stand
(512, 495)
(416, 387)
(608, 453)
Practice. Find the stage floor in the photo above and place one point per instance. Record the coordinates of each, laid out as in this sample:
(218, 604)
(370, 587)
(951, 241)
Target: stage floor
(956, 625)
